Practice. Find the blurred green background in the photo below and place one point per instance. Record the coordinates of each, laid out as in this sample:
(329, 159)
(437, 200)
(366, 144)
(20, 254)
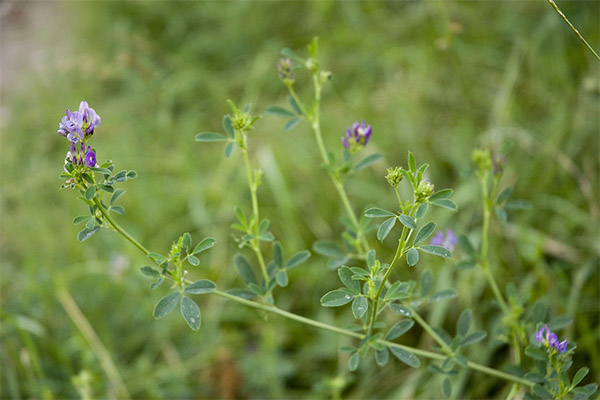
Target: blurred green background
(437, 77)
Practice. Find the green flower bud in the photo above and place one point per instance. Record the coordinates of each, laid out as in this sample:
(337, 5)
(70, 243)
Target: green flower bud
(424, 191)
(394, 176)
(483, 159)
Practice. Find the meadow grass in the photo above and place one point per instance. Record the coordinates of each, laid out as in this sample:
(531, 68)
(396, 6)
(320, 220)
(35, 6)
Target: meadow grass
(439, 78)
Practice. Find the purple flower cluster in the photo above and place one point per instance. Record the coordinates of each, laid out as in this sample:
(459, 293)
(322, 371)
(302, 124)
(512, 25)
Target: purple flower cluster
(77, 125)
(358, 134)
(550, 339)
(82, 157)
(448, 241)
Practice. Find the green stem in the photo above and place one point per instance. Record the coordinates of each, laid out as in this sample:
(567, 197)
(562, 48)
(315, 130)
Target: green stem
(553, 4)
(487, 206)
(118, 228)
(315, 124)
(255, 243)
(430, 330)
(331, 328)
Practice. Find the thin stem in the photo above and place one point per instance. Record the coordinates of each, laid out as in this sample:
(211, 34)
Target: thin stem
(255, 243)
(553, 4)
(487, 205)
(118, 227)
(430, 330)
(331, 328)
(315, 124)
(86, 329)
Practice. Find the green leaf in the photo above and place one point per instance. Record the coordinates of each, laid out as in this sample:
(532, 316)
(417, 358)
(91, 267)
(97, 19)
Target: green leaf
(294, 105)
(291, 123)
(426, 282)
(193, 260)
(229, 149)
(149, 271)
(263, 226)
(298, 259)
(421, 210)
(159, 258)
(228, 126)
(447, 387)
(282, 278)
(131, 175)
(579, 376)
(461, 360)
(382, 357)
(541, 392)
(474, 337)
(291, 54)
(560, 322)
(436, 250)
(117, 209)
(187, 241)
(210, 137)
(504, 195)
(166, 305)
(202, 286)
(465, 244)
(412, 257)
(106, 188)
(405, 356)
(385, 228)
(90, 223)
(327, 248)
(464, 322)
(345, 275)
(445, 203)
(104, 171)
(336, 298)
(424, 232)
(79, 219)
(421, 171)
(399, 329)
(204, 245)
(89, 193)
(86, 233)
(277, 254)
(443, 295)
(191, 313)
(267, 237)
(536, 353)
(375, 212)
(367, 161)
(517, 205)
(158, 282)
(442, 194)
(244, 269)
(353, 361)
(360, 305)
(402, 310)
(412, 163)
(115, 196)
(501, 214)
(407, 221)
(371, 258)
(280, 111)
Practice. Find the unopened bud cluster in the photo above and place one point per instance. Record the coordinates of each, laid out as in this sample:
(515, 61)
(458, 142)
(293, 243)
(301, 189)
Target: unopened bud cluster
(423, 191)
(394, 176)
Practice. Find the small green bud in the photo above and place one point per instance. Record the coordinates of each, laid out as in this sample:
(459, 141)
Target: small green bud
(394, 176)
(424, 191)
(483, 159)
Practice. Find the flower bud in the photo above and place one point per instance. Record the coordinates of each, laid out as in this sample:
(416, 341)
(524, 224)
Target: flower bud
(483, 159)
(424, 191)
(394, 176)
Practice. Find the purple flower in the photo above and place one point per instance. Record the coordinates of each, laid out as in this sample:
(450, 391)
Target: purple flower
(358, 134)
(448, 241)
(285, 70)
(77, 125)
(90, 158)
(549, 339)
